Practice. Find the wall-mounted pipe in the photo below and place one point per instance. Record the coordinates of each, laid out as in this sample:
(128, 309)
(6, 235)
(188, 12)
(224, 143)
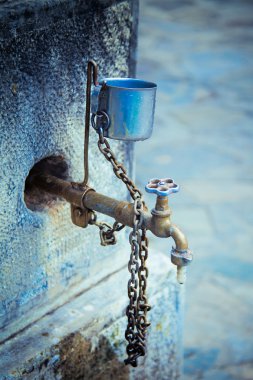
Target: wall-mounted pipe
(157, 221)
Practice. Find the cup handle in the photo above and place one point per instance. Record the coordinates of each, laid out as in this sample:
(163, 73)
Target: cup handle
(95, 99)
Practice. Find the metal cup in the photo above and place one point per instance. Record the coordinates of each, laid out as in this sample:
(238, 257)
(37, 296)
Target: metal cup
(124, 108)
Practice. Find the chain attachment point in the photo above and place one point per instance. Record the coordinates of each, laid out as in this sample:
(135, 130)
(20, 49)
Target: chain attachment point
(100, 119)
(106, 232)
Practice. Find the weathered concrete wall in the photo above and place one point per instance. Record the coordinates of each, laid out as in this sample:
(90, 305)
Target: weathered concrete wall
(46, 262)
(42, 113)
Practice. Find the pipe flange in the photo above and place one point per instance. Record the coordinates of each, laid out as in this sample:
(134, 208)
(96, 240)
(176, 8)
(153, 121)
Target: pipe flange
(181, 258)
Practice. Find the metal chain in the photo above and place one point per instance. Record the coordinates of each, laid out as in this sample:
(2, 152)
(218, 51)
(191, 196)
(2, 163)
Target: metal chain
(106, 232)
(138, 307)
(118, 168)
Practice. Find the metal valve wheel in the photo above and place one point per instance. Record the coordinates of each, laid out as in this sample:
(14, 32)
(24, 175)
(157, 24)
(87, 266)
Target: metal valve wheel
(162, 187)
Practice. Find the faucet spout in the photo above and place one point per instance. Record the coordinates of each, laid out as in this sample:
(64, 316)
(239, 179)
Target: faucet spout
(179, 238)
(181, 256)
(159, 222)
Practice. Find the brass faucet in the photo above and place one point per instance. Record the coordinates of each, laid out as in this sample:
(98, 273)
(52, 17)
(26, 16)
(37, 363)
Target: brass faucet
(84, 200)
(160, 224)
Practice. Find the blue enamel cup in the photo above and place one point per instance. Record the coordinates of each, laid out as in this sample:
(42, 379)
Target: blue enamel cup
(128, 105)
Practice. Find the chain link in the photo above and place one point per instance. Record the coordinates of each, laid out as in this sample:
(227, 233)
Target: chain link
(138, 306)
(119, 169)
(106, 232)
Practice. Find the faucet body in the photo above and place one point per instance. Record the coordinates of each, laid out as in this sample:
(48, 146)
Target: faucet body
(158, 221)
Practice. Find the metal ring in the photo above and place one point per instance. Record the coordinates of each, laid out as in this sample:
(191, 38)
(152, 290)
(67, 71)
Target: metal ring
(101, 115)
(93, 218)
(87, 189)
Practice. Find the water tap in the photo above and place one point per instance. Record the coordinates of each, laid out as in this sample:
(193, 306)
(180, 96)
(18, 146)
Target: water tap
(161, 225)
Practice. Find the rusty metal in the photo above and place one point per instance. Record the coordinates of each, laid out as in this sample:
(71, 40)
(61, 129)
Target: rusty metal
(137, 309)
(182, 256)
(118, 168)
(107, 237)
(106, 232)
(80, 216)
(157, 221)
(92, 76)
(71, 192)
(121, 211)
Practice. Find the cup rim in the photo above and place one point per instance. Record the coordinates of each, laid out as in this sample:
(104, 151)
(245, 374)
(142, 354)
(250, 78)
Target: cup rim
(147, 85)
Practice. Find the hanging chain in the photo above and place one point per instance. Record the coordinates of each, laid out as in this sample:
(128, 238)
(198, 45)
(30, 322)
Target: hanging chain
(138, 307)
(106, 232)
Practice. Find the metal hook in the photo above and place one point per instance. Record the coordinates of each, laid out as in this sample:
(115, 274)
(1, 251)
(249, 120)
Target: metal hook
(92, 65)
(92, 75)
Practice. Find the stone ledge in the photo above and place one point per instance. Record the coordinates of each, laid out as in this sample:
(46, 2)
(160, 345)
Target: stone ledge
(97, 275)
(92, 312)
(17, 17)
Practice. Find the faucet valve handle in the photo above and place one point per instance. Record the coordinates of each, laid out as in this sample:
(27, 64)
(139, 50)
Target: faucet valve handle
(162, 187)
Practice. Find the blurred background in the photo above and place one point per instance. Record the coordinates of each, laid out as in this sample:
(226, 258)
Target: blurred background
(200, 54)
